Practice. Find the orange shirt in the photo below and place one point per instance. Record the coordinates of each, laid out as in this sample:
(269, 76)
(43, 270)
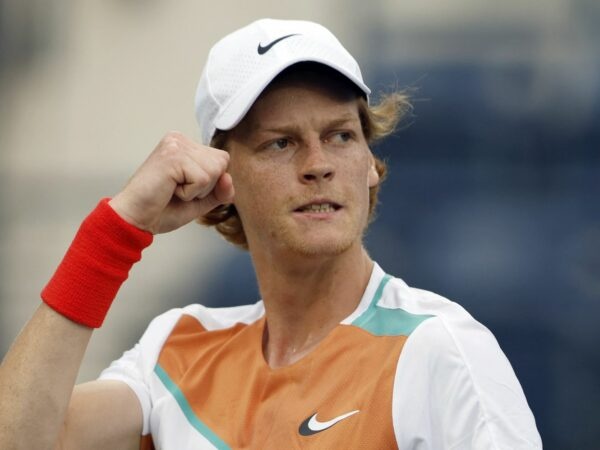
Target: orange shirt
(372, 383)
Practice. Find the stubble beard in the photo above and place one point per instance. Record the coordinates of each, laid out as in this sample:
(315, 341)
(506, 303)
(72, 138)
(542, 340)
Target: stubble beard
(316, 242)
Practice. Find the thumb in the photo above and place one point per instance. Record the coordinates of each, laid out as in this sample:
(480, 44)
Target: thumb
(223, 190)
(222, 193)
(204, 205)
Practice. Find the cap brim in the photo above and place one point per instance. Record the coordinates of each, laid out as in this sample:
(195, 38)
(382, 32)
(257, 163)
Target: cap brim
(233, 113)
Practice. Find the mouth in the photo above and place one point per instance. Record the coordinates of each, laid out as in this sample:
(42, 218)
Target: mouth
(319, 207)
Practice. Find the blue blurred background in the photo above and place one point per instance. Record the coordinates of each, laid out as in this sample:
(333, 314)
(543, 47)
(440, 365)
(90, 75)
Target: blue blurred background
(492, 198)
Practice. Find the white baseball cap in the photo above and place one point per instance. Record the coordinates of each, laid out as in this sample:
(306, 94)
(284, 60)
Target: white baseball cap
(242, 64)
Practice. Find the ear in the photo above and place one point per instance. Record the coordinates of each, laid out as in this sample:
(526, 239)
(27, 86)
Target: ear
(373, 176)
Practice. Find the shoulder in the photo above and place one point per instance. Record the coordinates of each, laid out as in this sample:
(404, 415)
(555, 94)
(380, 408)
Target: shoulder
(392, 307)
(213, 319)
(396, 294)
(443, 332)
(453, 383)
(210, 319)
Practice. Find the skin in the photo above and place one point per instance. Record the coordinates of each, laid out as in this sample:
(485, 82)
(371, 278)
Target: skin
(300, 144)
(303, 144)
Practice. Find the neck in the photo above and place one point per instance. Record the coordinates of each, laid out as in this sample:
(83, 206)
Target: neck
(306, 297)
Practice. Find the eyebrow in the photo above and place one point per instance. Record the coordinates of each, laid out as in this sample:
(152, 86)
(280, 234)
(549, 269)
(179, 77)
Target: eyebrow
(289, 128)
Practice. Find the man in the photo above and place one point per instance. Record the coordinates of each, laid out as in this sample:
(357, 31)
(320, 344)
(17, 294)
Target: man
(338, 354)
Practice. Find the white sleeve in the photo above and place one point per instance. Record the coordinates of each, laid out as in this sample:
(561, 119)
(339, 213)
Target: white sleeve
(128, 370)
(455, 389)
(135, 367)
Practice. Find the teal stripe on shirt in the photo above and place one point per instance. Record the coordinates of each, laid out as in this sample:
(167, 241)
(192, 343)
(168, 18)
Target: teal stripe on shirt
(187, 410)
(388, 321)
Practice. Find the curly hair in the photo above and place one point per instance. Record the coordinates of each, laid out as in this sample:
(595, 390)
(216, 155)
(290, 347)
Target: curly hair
(377, 121)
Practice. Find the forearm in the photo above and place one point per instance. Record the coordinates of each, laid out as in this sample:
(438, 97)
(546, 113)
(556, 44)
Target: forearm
(39, 372)
(179, 182)
(36, 380)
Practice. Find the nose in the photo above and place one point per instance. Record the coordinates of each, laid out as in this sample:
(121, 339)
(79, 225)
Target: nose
(316, 165)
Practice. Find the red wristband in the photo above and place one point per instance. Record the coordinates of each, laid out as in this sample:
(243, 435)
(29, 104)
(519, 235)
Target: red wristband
(96, 264)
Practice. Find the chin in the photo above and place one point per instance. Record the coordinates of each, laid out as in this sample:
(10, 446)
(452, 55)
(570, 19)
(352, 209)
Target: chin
(318, 241)
(320, 245)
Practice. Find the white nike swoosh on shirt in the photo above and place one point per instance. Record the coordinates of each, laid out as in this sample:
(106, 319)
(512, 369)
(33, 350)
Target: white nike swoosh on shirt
(315, 425)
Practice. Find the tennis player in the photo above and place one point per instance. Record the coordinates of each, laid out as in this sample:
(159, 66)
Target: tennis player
(338, 354)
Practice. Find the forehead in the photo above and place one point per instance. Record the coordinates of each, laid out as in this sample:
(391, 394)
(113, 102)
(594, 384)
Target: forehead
(298, 95)
(297, 100)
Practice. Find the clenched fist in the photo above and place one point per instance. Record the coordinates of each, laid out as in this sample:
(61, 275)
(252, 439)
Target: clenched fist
(180, 181)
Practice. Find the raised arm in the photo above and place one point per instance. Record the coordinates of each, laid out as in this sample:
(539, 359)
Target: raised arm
(39, 409)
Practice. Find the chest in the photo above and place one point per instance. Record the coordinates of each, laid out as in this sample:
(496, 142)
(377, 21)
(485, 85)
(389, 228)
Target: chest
(225, 396)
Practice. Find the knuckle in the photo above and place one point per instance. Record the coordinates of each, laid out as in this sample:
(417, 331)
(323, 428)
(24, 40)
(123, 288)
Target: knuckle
(203, 178)
(169, 149)
(223, 156)
(221, 161)
(171, 140)
(183, 193)
(187, 195)
(215, 170)
(174, 134)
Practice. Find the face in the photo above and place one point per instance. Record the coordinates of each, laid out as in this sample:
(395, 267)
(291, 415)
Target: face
(302, 169)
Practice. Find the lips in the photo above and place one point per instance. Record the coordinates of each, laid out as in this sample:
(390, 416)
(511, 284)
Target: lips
(320, 206)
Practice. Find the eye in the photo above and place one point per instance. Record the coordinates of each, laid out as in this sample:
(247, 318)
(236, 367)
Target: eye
(278, 144)
(340, 137)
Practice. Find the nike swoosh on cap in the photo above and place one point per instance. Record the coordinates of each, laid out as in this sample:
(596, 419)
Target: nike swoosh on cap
(312, 425)
(262, 50)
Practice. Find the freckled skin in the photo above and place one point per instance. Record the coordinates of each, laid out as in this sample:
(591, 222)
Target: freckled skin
(299, 142)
